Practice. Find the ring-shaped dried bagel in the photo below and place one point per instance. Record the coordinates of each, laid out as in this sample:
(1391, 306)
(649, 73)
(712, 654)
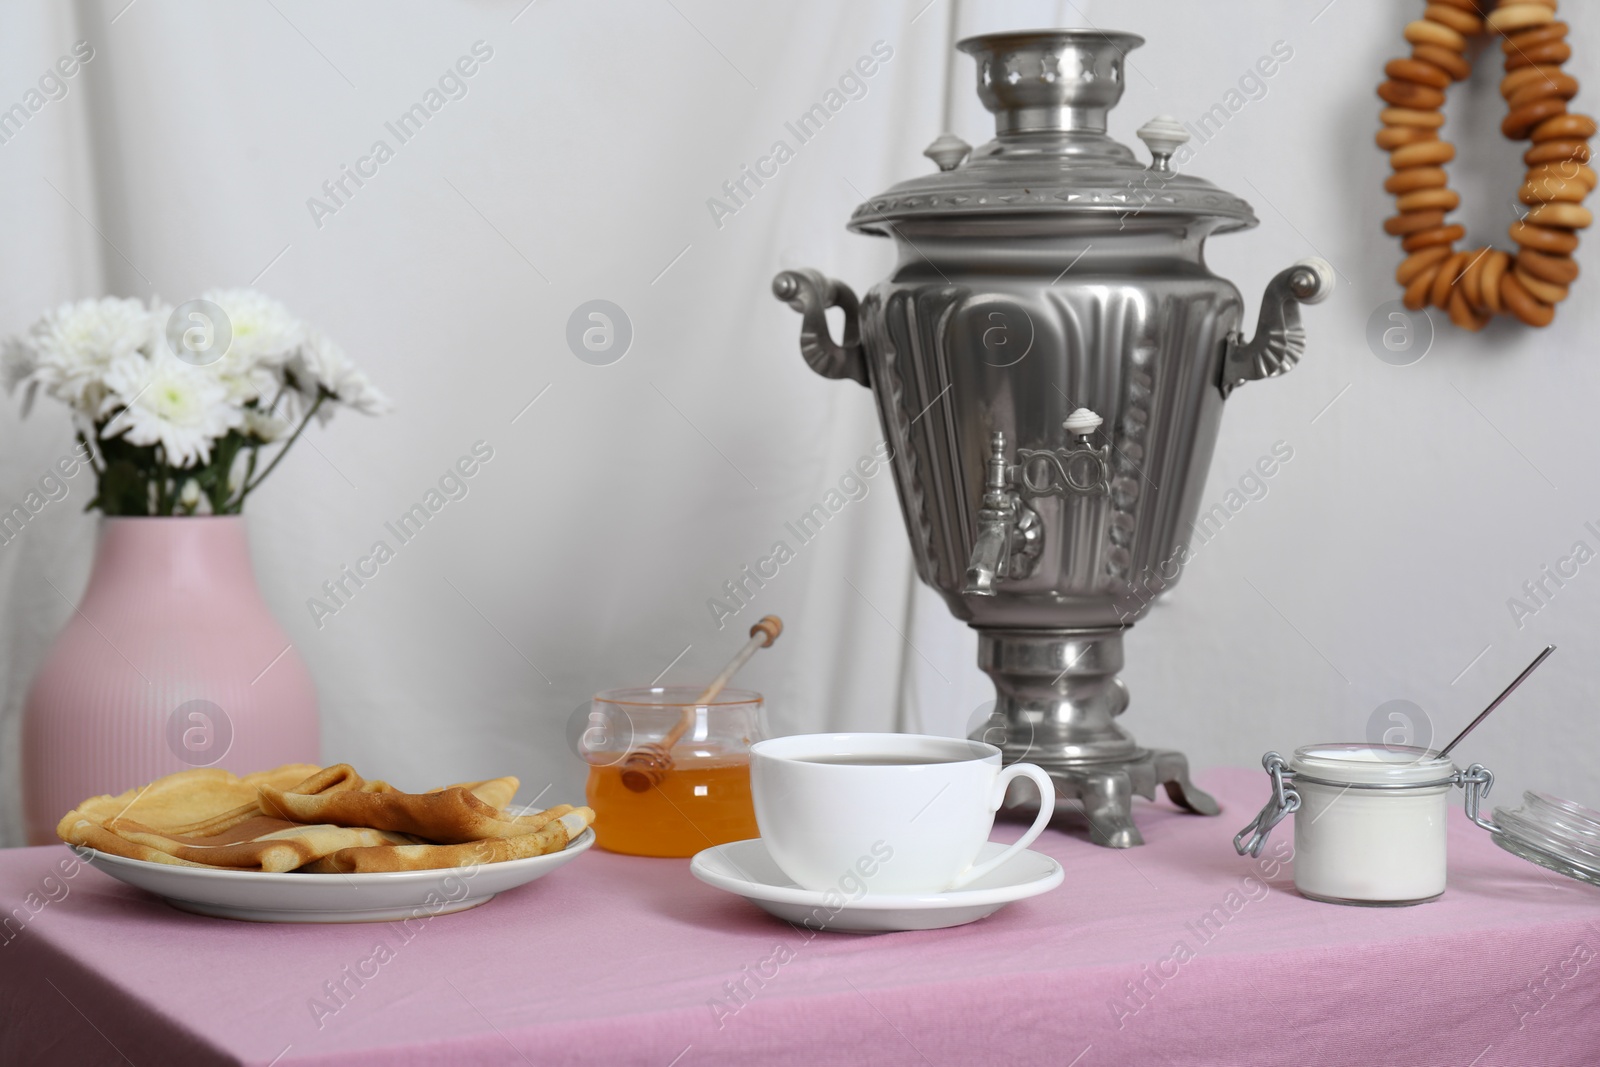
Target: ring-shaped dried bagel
(1463, 314)
(1472, 280)
(1452, 63)
(1444, 235)
(1522, 304)
(1410, 94)
(1532, 37)
(1559, 270)
(1463, 22)
(1556, 151)
(1567, 169)
(1423, 31)
(1410, 116)
(1415, 70)
(1564, 127)
(1437, 199)
(1544, 239)
(1544, 189)
(1522, 76)
(1391, 137)
(1417, 262)
(1556, 87)
(1494, 266)
(1409, 181)
(1508, 18)
(1415, 297)
(1541, 290)
(1539, 55)
(1555, 214)
(1521, 122)
(1413, 222)
(1422, 154)
(1450, 272)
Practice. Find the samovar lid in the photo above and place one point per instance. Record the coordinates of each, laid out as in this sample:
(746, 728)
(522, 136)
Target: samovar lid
(1049, 91)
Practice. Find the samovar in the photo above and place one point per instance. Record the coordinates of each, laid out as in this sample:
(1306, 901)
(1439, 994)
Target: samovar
(1049, 359)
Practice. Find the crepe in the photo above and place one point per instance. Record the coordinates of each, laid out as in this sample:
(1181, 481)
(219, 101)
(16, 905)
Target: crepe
(554, 837)
(450, 816)
(187, 798)
(318, 820)
(258, 844)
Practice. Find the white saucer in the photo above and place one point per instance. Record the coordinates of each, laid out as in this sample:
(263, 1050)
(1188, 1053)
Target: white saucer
(259, 896)
(746, 869)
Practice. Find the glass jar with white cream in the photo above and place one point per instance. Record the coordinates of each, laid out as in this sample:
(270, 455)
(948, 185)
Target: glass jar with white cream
(1370, 823)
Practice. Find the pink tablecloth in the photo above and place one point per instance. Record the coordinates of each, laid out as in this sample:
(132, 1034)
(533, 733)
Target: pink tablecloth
(1178, 952)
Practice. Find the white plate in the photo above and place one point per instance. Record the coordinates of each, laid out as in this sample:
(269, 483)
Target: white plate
(258, 896)
(746, 868)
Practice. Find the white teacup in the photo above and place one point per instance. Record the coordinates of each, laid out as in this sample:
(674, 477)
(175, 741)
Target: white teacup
(884, 813)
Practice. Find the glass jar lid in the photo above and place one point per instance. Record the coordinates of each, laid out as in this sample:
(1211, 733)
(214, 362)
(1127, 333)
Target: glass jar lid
(1556, 834)
(1051, 158)
(1372, 766)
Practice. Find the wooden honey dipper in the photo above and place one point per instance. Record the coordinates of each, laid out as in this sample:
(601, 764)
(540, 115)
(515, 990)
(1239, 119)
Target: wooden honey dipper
(644, 767)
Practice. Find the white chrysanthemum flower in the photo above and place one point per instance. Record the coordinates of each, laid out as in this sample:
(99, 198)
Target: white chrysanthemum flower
(168, 402)
(322, 363)
(263, 337)
(264, 425)
(70, 350)
(189, 497)
(262, 329)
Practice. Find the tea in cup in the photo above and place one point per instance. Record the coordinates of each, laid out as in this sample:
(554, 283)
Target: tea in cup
(877, 814)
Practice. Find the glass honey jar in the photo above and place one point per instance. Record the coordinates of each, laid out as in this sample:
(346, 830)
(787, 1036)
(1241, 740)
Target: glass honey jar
(669, 775)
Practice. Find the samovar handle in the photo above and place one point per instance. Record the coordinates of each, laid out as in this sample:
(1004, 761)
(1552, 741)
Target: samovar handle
(1280, 340)
(812, 293)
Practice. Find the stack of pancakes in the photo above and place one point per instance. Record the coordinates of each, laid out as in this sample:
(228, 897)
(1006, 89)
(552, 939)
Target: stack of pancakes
(319, 820)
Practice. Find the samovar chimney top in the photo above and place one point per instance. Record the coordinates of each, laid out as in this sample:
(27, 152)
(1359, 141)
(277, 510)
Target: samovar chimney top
(1050, 81)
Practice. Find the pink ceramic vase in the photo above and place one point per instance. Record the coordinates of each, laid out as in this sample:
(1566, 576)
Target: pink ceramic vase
(171, 661)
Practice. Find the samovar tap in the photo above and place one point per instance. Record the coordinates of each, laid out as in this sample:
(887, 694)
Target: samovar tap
(994, 523)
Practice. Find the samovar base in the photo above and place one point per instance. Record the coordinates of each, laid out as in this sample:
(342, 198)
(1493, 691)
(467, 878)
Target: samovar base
(1106, 791)
(1057, 701)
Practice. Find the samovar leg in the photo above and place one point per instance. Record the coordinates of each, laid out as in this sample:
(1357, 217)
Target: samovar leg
(1107, 798)
(1172, 771)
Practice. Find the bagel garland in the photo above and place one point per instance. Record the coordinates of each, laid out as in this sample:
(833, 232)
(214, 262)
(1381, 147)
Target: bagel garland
(1473, 285)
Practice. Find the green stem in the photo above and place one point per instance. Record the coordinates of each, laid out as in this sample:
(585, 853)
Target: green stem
(88, 454)
(164, 478)
(249, 472)
(298, 430)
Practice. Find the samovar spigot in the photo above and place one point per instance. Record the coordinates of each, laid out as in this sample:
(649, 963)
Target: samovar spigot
(993, 545)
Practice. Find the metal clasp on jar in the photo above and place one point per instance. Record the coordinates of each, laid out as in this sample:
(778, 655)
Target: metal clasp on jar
(1285, 800)
(1477, 780)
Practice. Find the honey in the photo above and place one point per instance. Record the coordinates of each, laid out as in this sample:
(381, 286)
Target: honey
(700, 801)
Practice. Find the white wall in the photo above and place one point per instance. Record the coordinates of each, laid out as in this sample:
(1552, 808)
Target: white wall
(1377, 567)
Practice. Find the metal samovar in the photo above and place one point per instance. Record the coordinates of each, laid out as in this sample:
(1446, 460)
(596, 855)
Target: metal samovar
(1050, 357)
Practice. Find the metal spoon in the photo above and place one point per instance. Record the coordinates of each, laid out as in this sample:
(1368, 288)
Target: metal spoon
(1484, 714)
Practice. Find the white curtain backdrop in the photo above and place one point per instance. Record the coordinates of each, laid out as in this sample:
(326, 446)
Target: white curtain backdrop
(575, 163)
